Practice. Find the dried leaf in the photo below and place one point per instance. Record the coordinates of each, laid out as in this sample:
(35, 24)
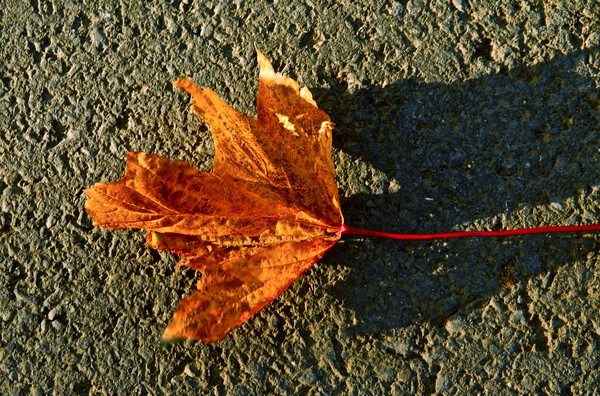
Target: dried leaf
(267, 212)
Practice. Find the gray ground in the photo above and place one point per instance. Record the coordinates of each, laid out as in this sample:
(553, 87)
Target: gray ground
(450, 115)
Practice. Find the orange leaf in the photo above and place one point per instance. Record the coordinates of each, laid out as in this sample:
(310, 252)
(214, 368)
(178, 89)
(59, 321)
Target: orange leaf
(268, 211)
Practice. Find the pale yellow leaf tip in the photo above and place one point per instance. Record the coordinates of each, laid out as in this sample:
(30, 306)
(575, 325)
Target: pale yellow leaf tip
(266, 69)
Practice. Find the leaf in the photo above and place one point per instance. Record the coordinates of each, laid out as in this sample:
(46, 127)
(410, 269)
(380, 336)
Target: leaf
(267, 213)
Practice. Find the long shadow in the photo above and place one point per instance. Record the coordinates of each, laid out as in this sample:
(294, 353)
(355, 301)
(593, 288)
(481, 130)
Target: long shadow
(492, 149)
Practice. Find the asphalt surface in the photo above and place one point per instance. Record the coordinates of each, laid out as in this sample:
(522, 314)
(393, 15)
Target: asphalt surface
(449, 116)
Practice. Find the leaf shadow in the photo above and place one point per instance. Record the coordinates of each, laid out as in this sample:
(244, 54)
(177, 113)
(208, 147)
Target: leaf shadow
(517, 148)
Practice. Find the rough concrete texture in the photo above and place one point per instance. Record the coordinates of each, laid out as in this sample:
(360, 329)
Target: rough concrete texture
(454, 114)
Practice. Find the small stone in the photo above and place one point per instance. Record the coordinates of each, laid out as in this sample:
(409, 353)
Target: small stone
(459, 5)
(97, 37)
(54, 312)
(187, 371)
(56, 325)
(518, 318)
(455, 324)
(442, 384)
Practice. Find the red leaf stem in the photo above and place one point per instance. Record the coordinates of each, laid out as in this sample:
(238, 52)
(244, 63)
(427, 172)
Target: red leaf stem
(347, 230)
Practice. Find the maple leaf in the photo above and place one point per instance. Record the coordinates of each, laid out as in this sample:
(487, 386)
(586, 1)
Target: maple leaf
(267, 213)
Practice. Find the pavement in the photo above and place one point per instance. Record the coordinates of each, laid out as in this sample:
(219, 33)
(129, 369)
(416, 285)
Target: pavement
(449, 116)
